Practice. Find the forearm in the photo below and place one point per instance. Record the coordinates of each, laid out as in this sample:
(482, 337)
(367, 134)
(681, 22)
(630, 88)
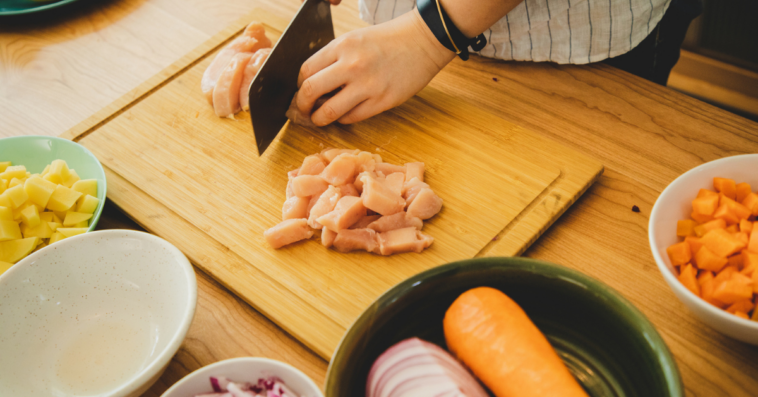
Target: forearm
(473, 17)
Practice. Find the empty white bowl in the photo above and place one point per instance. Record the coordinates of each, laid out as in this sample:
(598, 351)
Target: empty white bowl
(99, 314)
(244, 369)
(675, 203)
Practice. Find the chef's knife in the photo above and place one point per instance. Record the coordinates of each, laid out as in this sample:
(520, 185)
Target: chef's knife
(276, 82)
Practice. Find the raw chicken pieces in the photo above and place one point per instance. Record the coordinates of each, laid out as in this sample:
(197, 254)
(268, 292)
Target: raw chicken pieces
(233, 68)
(358, 202)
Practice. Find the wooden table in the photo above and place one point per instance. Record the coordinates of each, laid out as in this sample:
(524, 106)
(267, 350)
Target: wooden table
(57, 72)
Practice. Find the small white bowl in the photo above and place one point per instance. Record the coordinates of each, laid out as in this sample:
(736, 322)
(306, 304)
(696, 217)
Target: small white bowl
(244, 369)
(99, 314)
(675, 203)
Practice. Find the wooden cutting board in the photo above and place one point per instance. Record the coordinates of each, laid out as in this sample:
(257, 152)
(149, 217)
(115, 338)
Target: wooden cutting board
(197, 181)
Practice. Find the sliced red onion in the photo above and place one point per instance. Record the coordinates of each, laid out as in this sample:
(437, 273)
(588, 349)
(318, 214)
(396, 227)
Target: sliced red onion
(236, 391)
(416, 368)
(219, 383)
(214, 395)
(265, 387)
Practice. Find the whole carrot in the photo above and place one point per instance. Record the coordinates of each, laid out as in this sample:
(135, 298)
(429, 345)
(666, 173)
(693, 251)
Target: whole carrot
(493, 336)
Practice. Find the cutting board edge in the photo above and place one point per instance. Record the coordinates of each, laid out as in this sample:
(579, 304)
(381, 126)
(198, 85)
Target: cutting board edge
(121, 190)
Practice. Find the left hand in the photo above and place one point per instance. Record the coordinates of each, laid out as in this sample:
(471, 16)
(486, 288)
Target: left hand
(378, 68)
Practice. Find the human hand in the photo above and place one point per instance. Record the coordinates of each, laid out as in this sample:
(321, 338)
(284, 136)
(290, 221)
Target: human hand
(377, 68)
(333, 2)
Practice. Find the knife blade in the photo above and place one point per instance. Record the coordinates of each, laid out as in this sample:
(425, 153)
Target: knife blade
(275, 84)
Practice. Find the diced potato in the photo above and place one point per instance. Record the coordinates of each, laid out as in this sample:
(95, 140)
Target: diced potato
(86, 186)
(14, 171)
(39, 247)
(4, 266)
(17, 196)
(57, 236)
(30, 216)
(5, 201)
(54, 226)
(71, 231)
(15, 250)
(42, 230)
(4, 165)
(6, 214)
(63, 198)
(39, 190)
(46, 217)
(59, 216)
(72, 218)
(9, 230)
(15, 182)
(87, 204)
(3, 185)
(72, 178)
(45, 171)
(84, 224)
(58, 172)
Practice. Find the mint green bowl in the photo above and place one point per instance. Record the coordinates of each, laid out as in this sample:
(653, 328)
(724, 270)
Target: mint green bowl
(35, 152)
(608, 345)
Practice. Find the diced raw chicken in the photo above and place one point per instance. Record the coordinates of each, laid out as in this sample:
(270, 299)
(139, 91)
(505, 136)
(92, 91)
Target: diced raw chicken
(347, 211)
(395, 182)
(364, 161)
(288, 232)
(414, 170)
(251, 40)
(378, 197)
(296, 116)
(252, 68)
(331, 153)
(358, 183)
(425, 205)
(340, 170)
(356, 239)
(327, 237)
(314, 199)
(308, 185)
(289, 192)
(324, 205)
(401, 220)
(293, 173)
(411, 189)
(387, 168)
(312, 165)
(365, 221)
(226, 94)
(295, 207)
(349, 189)
(403, 240)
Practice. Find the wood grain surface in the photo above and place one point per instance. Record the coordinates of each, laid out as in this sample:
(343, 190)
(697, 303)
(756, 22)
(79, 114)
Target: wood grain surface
(644, 134)
(203, 168)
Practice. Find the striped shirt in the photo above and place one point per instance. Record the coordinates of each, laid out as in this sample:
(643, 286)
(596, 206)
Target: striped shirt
(561, 31)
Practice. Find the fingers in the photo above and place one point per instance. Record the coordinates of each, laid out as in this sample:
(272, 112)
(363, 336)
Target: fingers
(335, 2)
(334, 108)
(317, 62)
(317, 86)
(364, 110)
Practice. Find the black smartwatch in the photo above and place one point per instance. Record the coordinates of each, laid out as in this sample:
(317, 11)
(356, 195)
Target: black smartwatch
(445, 30)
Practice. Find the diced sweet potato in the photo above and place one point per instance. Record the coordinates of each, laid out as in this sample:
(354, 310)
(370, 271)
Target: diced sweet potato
(288, 232)
(688, 279)
(743, 189)
(725, 274)
(695, 244)
(721, 243)
(685, 227)
(739, 210)
(751, 202)
(749, 263)
(741, 315)
(742, 237)
(705, 205)
(726, 213)
(735, 260)
(745, 305)
(706, 192)
(706, 292)
(746, 226)
(752, 244)
(733, 228)
(738, 287)
(725, 186)
(347, 211)
(679, 253)
(707, 260)
(700, 218)
(704, 277)
(701, 230)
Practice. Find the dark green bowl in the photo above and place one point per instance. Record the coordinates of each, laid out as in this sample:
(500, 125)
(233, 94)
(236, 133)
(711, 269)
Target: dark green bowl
(609, 346)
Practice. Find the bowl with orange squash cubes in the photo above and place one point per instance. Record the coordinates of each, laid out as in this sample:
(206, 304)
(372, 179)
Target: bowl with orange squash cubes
(704, 236)
(50, 189)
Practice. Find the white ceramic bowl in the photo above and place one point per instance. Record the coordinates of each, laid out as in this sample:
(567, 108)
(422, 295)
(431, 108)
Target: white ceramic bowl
(99, 314)
(675, 204)
(244, 369)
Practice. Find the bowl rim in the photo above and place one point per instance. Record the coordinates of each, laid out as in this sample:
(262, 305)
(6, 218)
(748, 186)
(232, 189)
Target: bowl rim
(64, 141)
(161, 360)
(667, 273)
(250, 360)
(642, 323)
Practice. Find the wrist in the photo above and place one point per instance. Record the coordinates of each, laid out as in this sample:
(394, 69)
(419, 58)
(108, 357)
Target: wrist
(440, 55)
